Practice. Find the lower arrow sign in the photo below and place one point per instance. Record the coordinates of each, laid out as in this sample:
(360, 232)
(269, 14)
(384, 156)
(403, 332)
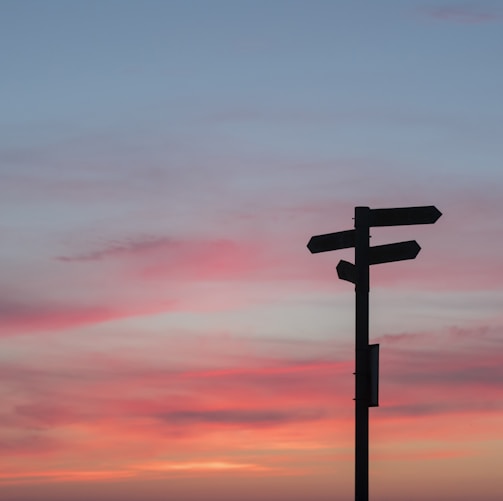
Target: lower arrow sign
(380, 254)
(393, 252)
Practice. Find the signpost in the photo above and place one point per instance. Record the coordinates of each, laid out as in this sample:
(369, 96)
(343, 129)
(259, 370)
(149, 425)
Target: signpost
(367, 356)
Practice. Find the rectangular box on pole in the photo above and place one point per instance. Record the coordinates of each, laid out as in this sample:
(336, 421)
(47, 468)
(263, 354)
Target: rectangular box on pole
(374, 375)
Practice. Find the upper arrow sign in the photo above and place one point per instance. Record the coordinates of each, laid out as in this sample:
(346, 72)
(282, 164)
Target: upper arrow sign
(427, 214)
(332, 241)
(393, 252)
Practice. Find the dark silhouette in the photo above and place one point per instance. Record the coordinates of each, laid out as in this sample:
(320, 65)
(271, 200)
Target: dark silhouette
(367, 356)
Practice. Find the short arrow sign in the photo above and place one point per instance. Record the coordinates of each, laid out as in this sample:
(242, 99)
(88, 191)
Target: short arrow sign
(393, 252)
(332, 241)
(427, 214)
(346, 271)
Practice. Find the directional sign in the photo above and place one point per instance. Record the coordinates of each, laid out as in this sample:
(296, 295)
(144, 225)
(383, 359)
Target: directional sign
(380, 254)
(346, 271)
(427, 214)
(393, 252)
(332, 241)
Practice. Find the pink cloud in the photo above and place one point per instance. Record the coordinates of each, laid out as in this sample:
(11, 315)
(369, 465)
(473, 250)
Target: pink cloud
(417, 373)
(131, 413)
(18, 317)
(232, 416)
(147, 275)
(439, 272)
(31, 444)
(276, 395)
(133, 409)
(187, 259)
(442, 374)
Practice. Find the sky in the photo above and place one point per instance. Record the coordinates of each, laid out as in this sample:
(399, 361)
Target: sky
(164, 331)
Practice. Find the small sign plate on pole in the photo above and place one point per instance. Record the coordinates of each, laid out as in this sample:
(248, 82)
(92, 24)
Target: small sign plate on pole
(374, 375)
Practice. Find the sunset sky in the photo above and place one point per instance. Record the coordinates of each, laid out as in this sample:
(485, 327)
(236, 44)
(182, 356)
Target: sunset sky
(164, 332)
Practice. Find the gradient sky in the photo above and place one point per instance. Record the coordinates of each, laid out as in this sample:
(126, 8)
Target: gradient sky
(164, 332)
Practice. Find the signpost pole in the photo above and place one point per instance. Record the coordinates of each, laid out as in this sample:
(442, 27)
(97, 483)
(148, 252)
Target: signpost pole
(367, 356)
(362, 375)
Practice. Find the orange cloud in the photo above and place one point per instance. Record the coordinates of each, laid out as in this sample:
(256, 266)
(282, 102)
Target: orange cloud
(204, 466)
(256, 413)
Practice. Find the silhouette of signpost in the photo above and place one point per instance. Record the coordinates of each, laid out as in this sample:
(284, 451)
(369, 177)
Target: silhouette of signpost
(367, 356)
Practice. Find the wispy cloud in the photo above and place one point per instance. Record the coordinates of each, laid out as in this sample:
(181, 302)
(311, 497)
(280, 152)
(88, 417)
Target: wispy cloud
(464, 14)
(131, 247)
(252, 401)
(61, 475)
(442, 373)
(30, 444)
(206, 466)
(17, 317)
(193, 258)
(240, 416)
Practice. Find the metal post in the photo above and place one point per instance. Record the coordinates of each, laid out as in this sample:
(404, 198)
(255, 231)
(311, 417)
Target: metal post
(362, 354)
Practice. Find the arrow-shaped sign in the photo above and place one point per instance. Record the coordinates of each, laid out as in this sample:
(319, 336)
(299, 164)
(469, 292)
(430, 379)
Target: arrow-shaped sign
(380, 254)
(426, 214)
(332, 241)
(393, 252)
(346, 271)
